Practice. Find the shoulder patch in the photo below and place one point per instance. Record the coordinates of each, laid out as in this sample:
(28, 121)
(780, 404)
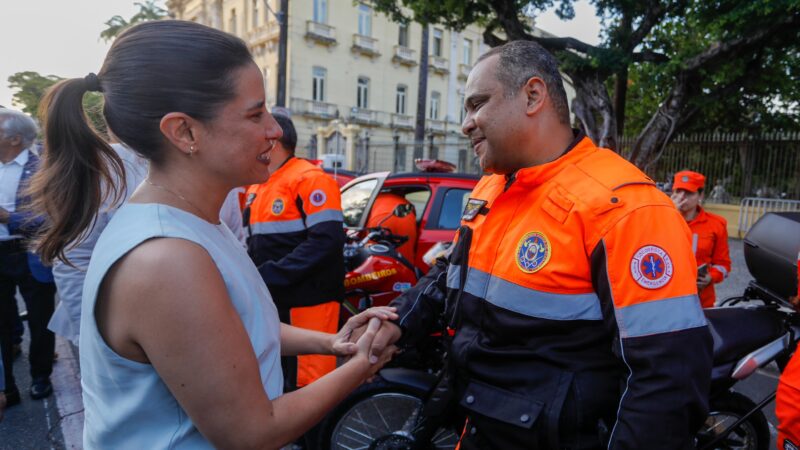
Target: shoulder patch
(318, 197)
(472, 208)
(651, 267)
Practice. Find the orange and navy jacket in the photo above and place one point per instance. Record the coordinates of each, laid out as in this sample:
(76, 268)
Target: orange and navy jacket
(573, 285)
(710, 246)
(297, 235)
(787, 402)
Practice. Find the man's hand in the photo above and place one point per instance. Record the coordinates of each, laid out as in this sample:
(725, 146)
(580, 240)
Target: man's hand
(343, 343)
(703, 281)
(388, 334)
(4, 215)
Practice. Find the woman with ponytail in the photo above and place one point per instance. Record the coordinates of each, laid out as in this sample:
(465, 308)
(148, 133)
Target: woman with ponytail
(180, 342)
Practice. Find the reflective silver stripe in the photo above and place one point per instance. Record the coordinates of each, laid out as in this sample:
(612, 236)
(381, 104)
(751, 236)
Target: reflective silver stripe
(660, 316)
(530, 302)
(721, 269)
(286, 226)
(694, 244)
(453, 276)
(326, 215)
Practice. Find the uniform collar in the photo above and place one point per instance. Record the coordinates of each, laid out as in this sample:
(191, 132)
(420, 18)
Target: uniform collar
(284, 164)
(701, 216)
(578, 149)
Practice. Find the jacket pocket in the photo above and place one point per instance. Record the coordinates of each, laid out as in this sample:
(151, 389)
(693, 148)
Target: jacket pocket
(501, 405)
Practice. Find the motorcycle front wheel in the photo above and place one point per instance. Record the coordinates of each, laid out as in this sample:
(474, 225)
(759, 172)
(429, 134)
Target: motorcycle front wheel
(752, 434)
(381, 416)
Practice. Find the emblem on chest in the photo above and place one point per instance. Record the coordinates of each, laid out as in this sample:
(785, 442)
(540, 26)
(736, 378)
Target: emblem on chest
(277, 206)
(533, 252)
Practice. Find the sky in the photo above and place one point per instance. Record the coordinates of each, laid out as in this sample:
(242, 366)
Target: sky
(61, 37)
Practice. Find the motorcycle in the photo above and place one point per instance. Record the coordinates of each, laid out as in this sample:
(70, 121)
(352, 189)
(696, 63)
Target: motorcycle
(390, 412)
(376, 272)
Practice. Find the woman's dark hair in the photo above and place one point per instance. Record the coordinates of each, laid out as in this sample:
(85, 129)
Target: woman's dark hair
(152, 69)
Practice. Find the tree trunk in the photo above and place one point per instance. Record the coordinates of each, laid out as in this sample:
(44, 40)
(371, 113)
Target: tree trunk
(658, 132)
(620, 94)
(422, 92)
(592, 101)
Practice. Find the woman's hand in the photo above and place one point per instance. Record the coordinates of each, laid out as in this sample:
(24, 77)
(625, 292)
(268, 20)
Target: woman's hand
(364, 348)
(342, 343)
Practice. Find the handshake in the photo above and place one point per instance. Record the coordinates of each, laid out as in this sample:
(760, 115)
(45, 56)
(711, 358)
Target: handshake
(369, 336)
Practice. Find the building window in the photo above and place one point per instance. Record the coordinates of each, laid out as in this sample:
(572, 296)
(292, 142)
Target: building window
(232, 22)
(433, 113)
(362, 100)
(321, 11)
(255, 13)
(467, 55)
(463, 110)
(437, 42)
(402, 35)
(400, 104)
(318, 88)
(364, 20)
(399, 158)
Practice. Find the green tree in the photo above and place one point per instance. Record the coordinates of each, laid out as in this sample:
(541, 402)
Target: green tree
(681, 55)
(31, 86)
(117, 24)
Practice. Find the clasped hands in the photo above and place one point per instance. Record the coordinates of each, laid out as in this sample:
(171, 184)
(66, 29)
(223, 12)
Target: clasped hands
(369, 334)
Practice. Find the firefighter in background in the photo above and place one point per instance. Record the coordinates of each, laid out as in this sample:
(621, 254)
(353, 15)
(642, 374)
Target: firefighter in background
(787, 402)
(709, 234)
(296, 239)
(382, 214)
(571, 285)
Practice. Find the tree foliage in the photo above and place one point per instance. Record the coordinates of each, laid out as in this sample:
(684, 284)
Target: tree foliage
(689, 64)
(30, 87)
(117, 24)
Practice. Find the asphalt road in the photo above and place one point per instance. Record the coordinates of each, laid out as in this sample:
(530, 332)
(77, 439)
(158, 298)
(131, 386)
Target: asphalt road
(56, 422)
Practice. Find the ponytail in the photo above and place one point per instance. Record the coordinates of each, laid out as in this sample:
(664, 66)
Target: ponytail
(76, 166)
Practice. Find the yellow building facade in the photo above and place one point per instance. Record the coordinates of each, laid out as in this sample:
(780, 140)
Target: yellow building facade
(352, 78)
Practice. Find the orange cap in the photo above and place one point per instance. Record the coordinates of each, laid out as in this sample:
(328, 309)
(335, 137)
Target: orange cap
(688, 180)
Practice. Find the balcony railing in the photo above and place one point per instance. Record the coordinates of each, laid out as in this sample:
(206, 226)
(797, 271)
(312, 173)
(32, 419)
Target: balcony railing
(402, 121)
(436, 126)
(439, 64)
(404, 55)
(320, 32)
(463, 71)
(265, 33)
(365, 116)
(314, 108)
(365, 44)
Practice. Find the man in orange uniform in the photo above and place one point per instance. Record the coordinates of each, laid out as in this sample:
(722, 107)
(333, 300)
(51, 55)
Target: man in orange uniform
(570, 288)
(296, 240)
(709, 234)
(787, 403)
(381, 214)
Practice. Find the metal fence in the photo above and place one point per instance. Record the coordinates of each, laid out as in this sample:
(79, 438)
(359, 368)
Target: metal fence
(736, 165)
(751, 209)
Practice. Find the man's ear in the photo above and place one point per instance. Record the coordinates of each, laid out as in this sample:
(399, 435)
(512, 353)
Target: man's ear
(180, 130)
(535, 92)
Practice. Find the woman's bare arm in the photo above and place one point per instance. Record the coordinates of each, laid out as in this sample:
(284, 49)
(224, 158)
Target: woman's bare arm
(166, 303)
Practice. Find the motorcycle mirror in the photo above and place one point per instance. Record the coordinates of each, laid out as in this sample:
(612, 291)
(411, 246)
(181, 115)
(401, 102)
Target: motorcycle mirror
(403, 210)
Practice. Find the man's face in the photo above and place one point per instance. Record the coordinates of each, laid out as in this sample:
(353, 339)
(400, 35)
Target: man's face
(493, 120)
(686, 201)
(6, 142)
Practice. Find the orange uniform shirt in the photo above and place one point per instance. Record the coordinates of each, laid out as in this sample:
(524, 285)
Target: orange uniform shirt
(787, 403)
(710, 246)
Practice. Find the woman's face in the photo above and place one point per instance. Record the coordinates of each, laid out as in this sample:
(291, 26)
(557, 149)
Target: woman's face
(238, 142)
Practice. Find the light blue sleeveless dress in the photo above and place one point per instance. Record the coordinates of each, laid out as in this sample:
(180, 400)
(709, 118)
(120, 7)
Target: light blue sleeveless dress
(127, 405)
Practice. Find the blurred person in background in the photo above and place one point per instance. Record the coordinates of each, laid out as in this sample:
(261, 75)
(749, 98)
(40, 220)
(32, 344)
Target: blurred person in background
(709, 234)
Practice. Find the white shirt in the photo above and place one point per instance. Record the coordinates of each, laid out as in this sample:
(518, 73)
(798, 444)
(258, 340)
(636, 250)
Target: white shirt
(10, 174)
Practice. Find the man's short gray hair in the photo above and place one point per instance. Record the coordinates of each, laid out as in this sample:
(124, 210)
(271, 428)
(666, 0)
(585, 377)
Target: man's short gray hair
(15, 123)
(522, 60)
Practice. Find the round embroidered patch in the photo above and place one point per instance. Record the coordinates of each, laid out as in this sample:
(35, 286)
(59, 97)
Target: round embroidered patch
(651, 267)
(318, 198)
(533, 252)
(277, 207)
